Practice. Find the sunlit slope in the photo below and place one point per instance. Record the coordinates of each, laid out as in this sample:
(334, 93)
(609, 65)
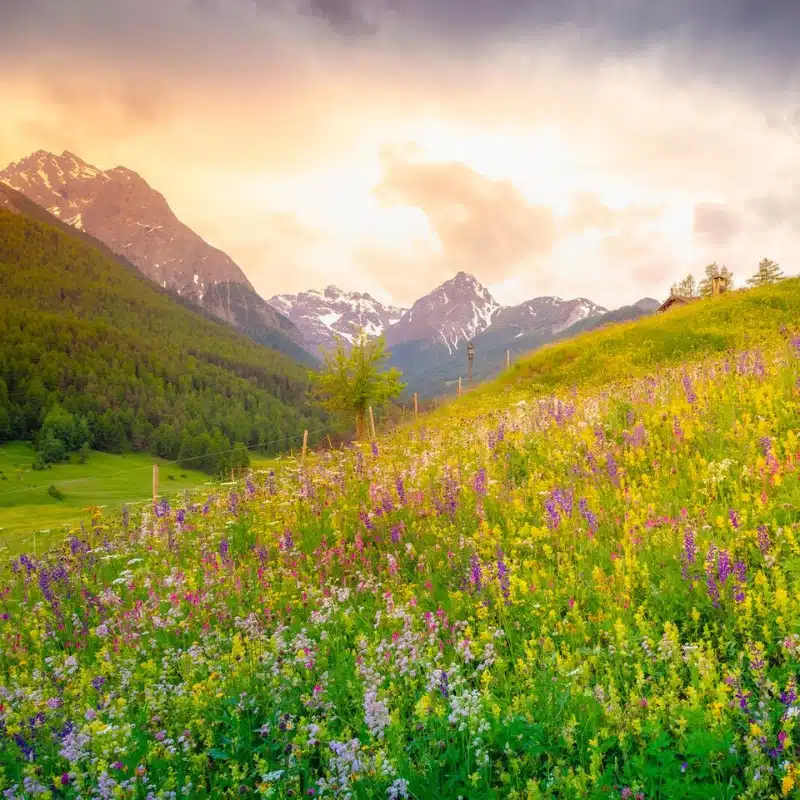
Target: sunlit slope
(702, 328)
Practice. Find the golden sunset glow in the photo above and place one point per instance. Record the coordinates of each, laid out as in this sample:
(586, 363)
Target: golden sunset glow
(385, 163)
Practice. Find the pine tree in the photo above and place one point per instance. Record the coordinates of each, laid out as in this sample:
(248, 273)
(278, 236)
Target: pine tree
(768, 272)
(706, 287)
(686, 288)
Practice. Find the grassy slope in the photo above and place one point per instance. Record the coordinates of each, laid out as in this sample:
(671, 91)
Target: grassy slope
(106, 480)
(595, 664)
(633, 349)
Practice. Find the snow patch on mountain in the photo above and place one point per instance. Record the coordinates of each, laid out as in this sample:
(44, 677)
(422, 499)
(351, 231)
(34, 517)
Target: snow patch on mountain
(452, 313)
(326, 317)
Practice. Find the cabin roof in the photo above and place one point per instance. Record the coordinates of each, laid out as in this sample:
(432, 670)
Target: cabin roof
(676, 299)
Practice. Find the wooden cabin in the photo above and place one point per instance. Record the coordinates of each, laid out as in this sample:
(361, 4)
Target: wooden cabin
(675, 300)
(719, 285)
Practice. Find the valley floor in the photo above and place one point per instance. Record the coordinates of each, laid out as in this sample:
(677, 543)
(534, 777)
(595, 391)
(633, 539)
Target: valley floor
(106, 480)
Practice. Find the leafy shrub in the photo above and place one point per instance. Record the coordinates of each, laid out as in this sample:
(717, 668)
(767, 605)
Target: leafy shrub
(83, 453)
(55, 492)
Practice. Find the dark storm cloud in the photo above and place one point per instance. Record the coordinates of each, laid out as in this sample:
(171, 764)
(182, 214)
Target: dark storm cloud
(717, 32)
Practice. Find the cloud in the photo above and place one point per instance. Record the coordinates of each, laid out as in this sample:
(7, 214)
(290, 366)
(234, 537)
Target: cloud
(587, 211)
(571, 146)
(776, 209)
(485, 226)
(716, 223)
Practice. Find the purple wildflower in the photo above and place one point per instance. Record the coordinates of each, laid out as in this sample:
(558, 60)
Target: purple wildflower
(233, 503)
(502, 576)
(688, 389)
(711, 578)
(740, 573)
(689, 546)
(638, 437)
(367, 520)
(45, 585)
(613, 469)
(553, 517)
(397, 530)
(789, 696)
(591, 519)
(162, 508)
(444, 684)
(565, 499)
(723, 566)
(763, 539)
(374, 448)
(475, 574)
(599, 434)
(401, 490)
(223, 548)
(734, 518)
(479, 482)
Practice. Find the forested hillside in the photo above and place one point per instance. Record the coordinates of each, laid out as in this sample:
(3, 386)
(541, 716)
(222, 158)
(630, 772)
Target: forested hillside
(81, 335)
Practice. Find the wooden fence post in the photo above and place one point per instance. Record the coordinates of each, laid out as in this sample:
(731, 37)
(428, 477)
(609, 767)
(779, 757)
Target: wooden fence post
(508, 359)
(416, 407)
(305, 445)
(371, 422)
(155, 484)
(330, 444)
(459, 386)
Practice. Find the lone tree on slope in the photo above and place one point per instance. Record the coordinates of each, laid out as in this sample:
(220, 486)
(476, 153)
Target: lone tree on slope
(351, 381)
(768, 272)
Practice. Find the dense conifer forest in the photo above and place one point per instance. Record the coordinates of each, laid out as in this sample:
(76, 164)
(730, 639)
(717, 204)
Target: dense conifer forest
(92, 354)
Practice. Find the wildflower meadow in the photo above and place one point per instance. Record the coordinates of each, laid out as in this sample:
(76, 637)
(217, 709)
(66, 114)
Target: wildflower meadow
(590, 592)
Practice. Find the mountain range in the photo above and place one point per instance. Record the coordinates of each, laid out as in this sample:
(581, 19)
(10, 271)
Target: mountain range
(428, 341)
(118, 210)
(121, 210)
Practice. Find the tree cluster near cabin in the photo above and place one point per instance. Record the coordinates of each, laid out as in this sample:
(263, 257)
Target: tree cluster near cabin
(768, 272)
(93, 355)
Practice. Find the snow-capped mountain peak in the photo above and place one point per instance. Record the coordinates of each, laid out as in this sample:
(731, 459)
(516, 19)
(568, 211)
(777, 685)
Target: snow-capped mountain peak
(454, 312)
(325, 317)
(546, 315)
(120, 209)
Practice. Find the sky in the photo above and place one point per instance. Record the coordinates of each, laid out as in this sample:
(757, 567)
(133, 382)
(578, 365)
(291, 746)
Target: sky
(568, 147)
